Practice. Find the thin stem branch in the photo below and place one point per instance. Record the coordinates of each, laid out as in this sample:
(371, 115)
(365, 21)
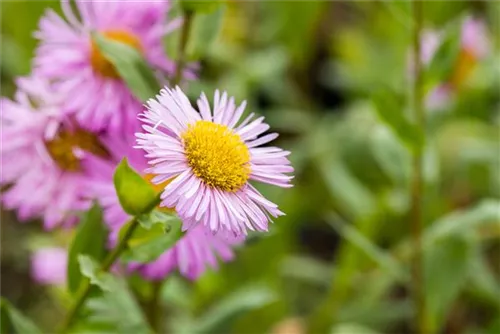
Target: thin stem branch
(181, 60)
(84, 289)
(417, 179)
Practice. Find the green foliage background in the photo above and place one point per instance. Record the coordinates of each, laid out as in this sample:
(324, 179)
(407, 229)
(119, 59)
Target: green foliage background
(332, 78)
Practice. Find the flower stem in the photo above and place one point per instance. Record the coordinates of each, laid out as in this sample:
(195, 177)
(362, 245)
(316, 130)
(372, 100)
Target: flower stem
(84, 289)
(181, 60)
(417, 179)
(154, 308)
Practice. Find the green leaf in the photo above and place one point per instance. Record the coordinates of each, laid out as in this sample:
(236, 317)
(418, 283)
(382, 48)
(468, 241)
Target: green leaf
(248, 298)
(444, 60)
(90, 269)
(347, 328)
(482, 215)
(116, 306)
(446, 268)
(384, 259)
(12, 319)
(204, 31)
(158, 232)
(391, 111)
(391, 155)
(200, 6)
(90, 239)
(131, 66)
(134, 193)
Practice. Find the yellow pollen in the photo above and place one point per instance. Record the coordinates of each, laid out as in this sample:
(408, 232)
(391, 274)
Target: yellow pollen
(61, 148)
(159, 188)
(100, 64)
(217, 155)
(465, 64)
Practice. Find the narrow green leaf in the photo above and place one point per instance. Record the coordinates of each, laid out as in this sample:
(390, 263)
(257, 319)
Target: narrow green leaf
(203, 33)
(391, 155)
(391, 111)
(382, 258)
(90, 239)
(446, 267)
(345, 328)
(158, 232)
(444, 60)
(200, 6)
(116, 306)
(239, 302)
(90, 269)
(131, 66)
(12, 319)
(483, 214)
(135, 193)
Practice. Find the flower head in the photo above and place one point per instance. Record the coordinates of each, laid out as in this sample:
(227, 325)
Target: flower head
(191, 255)
(48, 266)
(474, 46)
(43, 155)
(210, 157)
(68, 56)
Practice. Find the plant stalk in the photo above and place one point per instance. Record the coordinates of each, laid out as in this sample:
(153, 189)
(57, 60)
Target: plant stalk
(84, 289)
(417, 177)
(181, 60)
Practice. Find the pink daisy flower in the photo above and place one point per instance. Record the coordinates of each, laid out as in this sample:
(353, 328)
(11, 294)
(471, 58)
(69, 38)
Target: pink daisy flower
(211, 157)
(191, 255)
(48, 266)
(41, 155)
(67, 55)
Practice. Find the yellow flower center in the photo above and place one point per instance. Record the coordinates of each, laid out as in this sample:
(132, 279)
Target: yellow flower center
(62, 148)
(100, 64)
(465, 64)
(217, 155)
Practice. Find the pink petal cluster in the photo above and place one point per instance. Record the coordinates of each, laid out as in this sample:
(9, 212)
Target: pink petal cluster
(166, 119)
(38, 187)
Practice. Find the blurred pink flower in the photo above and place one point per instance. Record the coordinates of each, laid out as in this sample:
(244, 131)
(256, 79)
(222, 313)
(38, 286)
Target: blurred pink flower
(67, 55)
(48, 266)
(210, 159)
(191, 255)
(474, 47)
(41, 155)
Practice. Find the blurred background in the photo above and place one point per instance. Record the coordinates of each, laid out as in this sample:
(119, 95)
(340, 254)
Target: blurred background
(325, 74)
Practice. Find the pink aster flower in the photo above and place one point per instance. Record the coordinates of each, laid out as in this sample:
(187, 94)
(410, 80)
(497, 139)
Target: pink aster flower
(191, 255)
(68, 56)
(211, 156)
(41, 155)
(475, 46)
(48, 266)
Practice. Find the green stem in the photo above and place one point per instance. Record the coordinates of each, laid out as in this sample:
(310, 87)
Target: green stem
(153, 307)
(84, 289)
(181, 60)
(417, 179)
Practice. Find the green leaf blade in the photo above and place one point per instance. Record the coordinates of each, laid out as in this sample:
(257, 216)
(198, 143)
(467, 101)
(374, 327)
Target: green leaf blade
(90, 239)
(131, 66)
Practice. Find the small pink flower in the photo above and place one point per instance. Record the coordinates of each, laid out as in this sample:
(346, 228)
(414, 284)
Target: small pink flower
(68, 56)
(211, 157)
(474, 47)
(48, 266)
